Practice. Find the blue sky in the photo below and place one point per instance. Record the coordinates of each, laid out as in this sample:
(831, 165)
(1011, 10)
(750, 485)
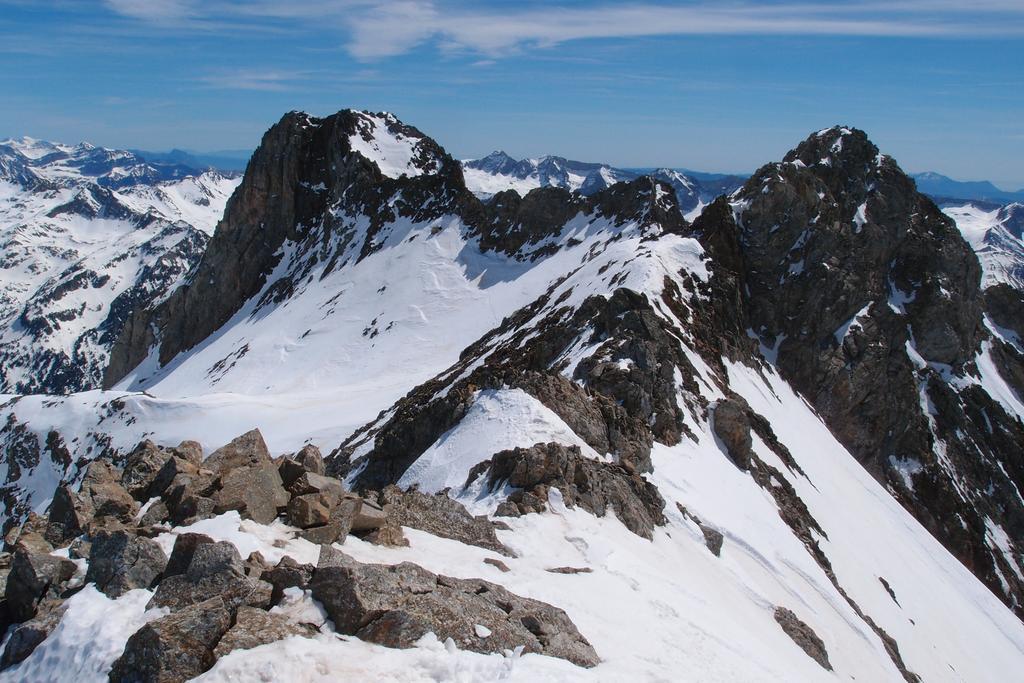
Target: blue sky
(706, 85)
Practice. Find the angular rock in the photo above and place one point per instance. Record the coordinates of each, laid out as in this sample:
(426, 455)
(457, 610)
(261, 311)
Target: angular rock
(342, 516)
(310, 482)
(183, 551)
(441, 516)
(26, 637)
(120, 561)
(247, 450)
(256, 492)
(109, 499)
(310, 459)
(396, 605)
(215, 569)
(593, 485)
(156, 513)
(287, 574)
(370, 516)
(732, 425)
(309, 509)
(172, 471)
(34, 576)
(254, 627)
(69, 516)
(803, 635)
(141, 469)
(176, 647)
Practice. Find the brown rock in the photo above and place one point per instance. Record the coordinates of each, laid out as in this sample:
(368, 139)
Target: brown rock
(254, 627)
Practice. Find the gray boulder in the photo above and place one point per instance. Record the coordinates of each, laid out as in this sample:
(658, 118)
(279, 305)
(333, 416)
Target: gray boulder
(395, 605)
(247, 450)
(254, 627)
(120, 561)
(34, 576)
(441, 516)
(256, 492)
(176, 647)
(27, 636)
(287, 574)
(141, 469)
(215, 569)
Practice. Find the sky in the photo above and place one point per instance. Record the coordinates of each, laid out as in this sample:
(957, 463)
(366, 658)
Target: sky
(712, 86)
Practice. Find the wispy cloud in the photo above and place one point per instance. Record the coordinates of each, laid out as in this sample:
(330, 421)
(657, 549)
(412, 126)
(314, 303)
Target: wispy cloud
(254, 79)
(379, 29)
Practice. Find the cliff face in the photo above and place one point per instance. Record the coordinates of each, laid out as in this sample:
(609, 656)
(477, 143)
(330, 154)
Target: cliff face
(869, 302)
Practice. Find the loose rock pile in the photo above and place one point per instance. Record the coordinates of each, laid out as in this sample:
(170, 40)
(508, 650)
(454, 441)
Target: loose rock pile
(218, 601)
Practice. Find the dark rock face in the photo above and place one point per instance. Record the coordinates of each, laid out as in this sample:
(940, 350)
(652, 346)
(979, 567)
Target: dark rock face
(594, 486)
(34, 576)
(215, 570)
(174, 648)
(28, 636)
(804, 636)
(120, 561)
(396, 605)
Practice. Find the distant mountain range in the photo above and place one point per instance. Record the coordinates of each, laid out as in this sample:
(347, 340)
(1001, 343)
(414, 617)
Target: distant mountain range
(942, 188)
(229, 160)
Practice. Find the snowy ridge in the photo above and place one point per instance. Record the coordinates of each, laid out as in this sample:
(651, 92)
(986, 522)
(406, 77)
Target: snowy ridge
(415, 341)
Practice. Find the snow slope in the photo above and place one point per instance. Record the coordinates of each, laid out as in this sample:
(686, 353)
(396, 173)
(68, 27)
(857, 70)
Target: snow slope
(995, 234)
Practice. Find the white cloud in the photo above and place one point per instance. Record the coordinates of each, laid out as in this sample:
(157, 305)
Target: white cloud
(253, 79)
(378, 28)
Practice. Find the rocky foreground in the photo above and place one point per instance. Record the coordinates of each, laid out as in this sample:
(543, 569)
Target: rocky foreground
(216, 601)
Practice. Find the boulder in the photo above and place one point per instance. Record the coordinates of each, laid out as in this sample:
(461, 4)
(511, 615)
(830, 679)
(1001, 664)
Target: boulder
(34, 576)
(395, 605)
(370, 516)
(732, 426)
(156, 513)
(310, 459)
(310, 482)
(441, 516)
(141, 469)
(171, 471)
(120, 561)
(254, 627)
(591, 484)
(177, 647)
(184, 549)
(247, 450)
(109, 499)
(256, 492)
(215, 569)
(69, 516)
(287, 574)
(27, 636)
(340, 523)
(309, 509)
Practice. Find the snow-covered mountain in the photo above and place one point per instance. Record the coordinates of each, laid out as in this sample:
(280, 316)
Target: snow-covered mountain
(997, 235)
(498, 172)
(88, 235)
(779, 442)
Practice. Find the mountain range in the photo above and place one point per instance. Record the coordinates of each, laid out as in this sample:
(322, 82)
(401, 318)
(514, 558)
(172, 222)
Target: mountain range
(403, 416)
